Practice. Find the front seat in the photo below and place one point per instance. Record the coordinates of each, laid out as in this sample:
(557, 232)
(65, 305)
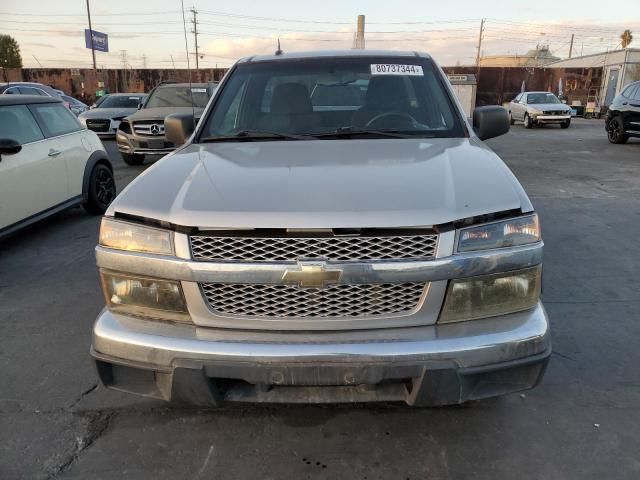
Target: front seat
(291, 109)
(386, 94)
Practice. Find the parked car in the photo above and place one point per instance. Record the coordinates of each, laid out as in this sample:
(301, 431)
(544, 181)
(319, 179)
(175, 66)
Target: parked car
(286, 252)
(623, 116)
(98, 101)
(105, 119)
(539, 108)
(75, 105)
(31, 88)
(48, 163)
(143, 132)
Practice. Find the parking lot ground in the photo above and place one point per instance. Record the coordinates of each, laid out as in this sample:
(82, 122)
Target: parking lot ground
(582, 422)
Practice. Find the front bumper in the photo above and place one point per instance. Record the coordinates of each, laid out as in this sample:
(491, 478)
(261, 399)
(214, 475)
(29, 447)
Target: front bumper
(428, 365)
(135, 144)
(552, 118)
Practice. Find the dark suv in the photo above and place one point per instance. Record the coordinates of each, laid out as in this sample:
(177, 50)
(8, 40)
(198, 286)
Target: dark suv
(142, 133)
(623, 117)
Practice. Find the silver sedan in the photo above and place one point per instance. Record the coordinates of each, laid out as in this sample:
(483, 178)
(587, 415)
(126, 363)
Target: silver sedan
(538, 108)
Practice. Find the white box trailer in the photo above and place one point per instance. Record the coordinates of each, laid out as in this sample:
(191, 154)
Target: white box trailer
(465, 87)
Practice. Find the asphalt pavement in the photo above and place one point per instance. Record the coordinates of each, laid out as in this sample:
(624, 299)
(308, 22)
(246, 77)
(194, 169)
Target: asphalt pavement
(582, 422)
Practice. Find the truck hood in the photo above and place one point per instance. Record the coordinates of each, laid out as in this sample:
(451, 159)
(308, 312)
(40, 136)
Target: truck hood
(158, 113)
(324, 184)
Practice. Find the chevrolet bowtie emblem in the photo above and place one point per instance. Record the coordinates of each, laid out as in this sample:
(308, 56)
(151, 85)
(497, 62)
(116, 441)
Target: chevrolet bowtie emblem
(312, 276)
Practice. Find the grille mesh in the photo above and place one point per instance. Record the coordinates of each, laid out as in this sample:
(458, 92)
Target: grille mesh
(287, 301)
(290, 249)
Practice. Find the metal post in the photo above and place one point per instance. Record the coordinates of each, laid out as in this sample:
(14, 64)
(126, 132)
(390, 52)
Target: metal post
(480, 43)
(571, 46)
(93, 52)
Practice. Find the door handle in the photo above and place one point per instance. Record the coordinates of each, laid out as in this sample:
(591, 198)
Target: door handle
(54, 153)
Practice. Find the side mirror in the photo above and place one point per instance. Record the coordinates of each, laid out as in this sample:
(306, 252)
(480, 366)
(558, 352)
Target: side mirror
(178, 127)
(491, 121)
(9, 147)
(139, 106)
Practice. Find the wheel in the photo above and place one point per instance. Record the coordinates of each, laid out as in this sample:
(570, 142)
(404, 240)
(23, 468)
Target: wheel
(565, 124)
(527, 121)
(102, 189)
(511, 120)
(133, 158)
(615, 130)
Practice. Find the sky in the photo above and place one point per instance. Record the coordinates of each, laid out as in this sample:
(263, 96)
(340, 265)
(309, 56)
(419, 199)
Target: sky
(51, 33)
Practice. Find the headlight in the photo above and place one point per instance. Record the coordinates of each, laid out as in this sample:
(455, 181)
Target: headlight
(83, 121)
(135, 238)
(146, 297)
(491, 295)
(508, 233)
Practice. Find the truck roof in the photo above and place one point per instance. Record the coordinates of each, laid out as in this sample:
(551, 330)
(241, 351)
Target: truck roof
(331, 54)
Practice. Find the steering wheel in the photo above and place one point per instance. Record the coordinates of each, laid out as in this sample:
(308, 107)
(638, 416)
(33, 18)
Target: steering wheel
(400, 115)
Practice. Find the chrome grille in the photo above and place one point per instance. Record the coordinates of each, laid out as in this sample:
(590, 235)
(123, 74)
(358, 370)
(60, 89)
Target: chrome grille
(331, 248)
(152, 129)
(335, 301)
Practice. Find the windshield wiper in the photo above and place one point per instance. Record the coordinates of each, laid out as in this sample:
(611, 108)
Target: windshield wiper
(252, 135)
(348, 132)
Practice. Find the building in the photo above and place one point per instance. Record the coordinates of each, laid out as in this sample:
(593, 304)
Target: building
(539, 56)
(619, 68)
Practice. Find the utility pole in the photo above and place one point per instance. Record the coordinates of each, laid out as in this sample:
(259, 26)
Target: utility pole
(194, 20)
(93, 52)
(480, 36)
(571, 46)
(358, 41)
(144, 61)
(123, 56)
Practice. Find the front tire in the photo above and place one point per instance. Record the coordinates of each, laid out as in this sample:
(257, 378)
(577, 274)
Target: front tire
(528, 123)
(565, 124)
(511, 120)
(102, 190)
(133, 159)
(615, 130)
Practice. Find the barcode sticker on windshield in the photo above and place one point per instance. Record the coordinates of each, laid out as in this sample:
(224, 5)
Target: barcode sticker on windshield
(396, 69)
(199, 90)
(134, 98)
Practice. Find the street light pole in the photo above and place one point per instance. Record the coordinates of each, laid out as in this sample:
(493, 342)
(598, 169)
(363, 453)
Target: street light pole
(93, 52)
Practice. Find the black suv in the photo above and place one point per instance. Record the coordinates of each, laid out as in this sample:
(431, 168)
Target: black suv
(623, 117)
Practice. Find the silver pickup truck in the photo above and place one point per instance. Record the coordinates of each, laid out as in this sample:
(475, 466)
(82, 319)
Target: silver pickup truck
(359, 245)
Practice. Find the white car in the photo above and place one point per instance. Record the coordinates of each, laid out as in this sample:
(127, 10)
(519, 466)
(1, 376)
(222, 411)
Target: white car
(48, 162)
(539, 108)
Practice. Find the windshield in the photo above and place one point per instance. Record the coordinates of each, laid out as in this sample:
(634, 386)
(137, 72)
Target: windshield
(538, 98)
(178, 96)
(122, 101)
(317, 97)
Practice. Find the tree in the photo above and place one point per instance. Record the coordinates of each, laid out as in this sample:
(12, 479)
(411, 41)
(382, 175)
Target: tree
(626, 38)
(9, 52)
